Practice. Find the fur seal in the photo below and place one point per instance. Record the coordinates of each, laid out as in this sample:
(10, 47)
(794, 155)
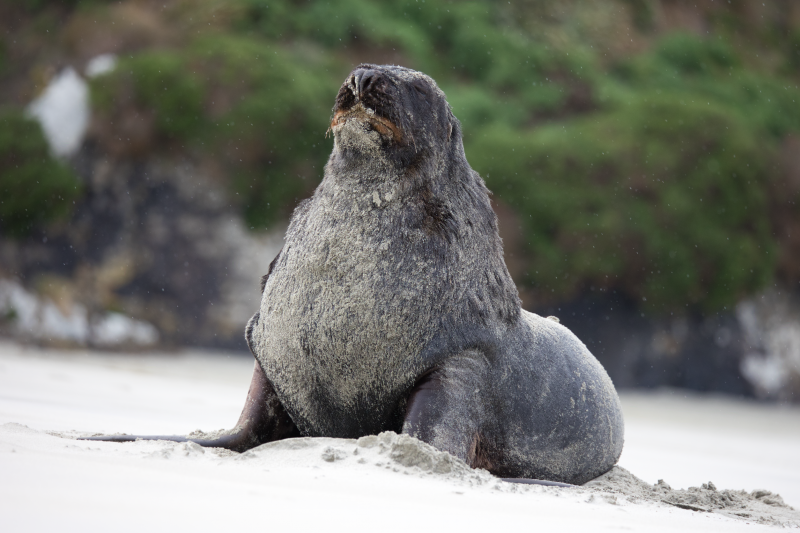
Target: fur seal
(390, 308)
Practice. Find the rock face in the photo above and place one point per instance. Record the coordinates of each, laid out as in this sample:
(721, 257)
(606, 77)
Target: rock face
(771, 326)
(158, 240)
(752, 350)
(694, 352)
(63, 112)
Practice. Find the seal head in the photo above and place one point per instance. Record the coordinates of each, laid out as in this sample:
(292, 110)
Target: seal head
(394, 114)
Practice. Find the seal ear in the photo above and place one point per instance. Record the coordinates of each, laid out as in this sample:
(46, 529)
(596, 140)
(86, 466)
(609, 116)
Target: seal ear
(248, 331)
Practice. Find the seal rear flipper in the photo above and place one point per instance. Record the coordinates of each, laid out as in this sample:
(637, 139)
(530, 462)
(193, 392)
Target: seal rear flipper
(263, 419)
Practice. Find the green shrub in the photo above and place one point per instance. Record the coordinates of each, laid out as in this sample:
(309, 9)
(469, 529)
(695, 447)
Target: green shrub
(707, 70)
(37, 5)
(34, 187)
(163, 85)
(663, 199)
(262, 110)
(691, 54)
(4, 63)
(449, 41)
(654, 175)
(258, 96)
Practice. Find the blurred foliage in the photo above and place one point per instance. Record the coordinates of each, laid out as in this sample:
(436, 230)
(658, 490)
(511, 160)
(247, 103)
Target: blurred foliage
(37, 5)
(642, 13)
(257, 93)
(259, 108)
(650, 170)
(793, 54)
(34, 187)
(606, 200)
(664, 191)
(3, 57)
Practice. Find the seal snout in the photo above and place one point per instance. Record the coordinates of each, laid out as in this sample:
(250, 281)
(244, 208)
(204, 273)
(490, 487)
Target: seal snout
(367, 97)
(366, 85)
(363, 79)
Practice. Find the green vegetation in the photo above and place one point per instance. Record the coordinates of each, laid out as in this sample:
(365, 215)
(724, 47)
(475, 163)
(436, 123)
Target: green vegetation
(34, 187)
(37, 5)
(262, 109)
(654, 172)
(663, 192)
(3, 57)
(257, 95)
(606, 200)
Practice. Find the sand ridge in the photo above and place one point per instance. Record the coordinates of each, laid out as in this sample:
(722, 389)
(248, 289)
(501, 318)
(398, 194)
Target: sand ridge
(761, 506)
(403, 454)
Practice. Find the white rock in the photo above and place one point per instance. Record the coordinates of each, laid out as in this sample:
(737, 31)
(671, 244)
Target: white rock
(771, 323)
(63, 111)
(100, 65)
(38, 317)
(250, 254)
(115, 328)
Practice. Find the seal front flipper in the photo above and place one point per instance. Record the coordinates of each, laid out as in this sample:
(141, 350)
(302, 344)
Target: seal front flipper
(450, 409)
(263, 419)
(453, 409)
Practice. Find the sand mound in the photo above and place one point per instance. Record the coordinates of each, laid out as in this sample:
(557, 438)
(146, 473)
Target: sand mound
(399, 453)
(387, 460)
(760, 506)
(407, 455)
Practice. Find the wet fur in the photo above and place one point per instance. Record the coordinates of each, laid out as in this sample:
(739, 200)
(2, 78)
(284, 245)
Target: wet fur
(390, 306)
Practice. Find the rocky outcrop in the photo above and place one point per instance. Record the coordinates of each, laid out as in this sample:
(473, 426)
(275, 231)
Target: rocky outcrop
(752, 350)
(157, 240)
(770, 324)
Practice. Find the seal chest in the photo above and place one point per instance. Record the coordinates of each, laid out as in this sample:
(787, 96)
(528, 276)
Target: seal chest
(342, 313)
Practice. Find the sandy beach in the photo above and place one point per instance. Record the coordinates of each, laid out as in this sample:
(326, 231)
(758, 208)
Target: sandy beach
(51, 481)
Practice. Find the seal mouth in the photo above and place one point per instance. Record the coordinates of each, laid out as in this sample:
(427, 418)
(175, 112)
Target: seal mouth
(366, 116)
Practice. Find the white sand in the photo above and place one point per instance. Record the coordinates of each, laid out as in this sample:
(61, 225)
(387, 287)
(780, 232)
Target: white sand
(48, 482)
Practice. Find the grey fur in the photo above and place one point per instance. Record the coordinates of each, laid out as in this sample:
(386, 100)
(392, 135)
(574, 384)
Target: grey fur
(392, 274)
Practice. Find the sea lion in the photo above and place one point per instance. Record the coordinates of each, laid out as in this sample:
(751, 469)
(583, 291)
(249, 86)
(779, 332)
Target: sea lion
(390, 308)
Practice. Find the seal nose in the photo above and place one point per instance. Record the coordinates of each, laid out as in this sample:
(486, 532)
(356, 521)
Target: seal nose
(364, 79)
